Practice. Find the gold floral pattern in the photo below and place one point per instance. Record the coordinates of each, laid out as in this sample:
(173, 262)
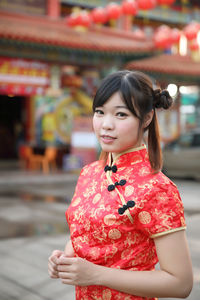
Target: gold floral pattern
(144, 217)
(128, 190)
(110, 219)
(114, 234)
(103, 236)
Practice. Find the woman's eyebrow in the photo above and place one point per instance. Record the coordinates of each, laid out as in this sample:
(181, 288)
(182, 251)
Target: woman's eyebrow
(121, 106)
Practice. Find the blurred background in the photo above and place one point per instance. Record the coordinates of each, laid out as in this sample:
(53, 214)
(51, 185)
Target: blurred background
(53, 56)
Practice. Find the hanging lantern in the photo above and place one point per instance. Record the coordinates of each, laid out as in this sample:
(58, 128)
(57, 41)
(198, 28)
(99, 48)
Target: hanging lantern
(162, 37)
(99, 15)
(84, 19)
(146, 4)
(129, 7)
(72, 20)
(166, 2)
(175, 35)
(113, 11)
(194, 46)
(191, 30)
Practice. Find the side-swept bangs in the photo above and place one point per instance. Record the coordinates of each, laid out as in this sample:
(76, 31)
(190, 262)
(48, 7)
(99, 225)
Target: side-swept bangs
(109, 86)
(130, 89)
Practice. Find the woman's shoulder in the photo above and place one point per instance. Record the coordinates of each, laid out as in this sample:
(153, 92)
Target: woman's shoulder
(96, 166)
(164, 183)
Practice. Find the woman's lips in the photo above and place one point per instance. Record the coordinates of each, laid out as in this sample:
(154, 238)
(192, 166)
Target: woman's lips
(107, 139)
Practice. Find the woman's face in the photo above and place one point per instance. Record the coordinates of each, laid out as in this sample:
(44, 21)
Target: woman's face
(115, 126)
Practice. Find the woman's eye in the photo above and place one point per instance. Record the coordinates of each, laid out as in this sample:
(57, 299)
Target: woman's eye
(98, 112)
(121, 114)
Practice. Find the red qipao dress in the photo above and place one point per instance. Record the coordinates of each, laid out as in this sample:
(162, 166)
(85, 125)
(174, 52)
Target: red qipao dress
(115, 214)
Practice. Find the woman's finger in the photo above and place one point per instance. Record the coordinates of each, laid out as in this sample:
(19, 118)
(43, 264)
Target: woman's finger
(64, 260)
(52, 273)
(63, 268)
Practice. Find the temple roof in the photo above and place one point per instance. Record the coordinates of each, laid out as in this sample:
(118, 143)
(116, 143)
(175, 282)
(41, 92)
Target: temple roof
(55, 33)
(166, 67)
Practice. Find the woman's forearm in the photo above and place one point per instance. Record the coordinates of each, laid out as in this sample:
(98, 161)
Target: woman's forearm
(69, 250)
(143, 283)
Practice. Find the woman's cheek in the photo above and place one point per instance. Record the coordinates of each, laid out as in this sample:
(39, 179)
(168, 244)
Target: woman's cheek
(96, 126)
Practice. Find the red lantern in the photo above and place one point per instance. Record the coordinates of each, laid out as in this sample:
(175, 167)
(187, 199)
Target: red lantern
(175, 35)
(146, 4)
(162, 37)
(72, 20)
(113, 11)
(194, 46)
(129, 7)
(191, 30)
(85, 19)
(99, 15)
(81, 18)
(165, 2)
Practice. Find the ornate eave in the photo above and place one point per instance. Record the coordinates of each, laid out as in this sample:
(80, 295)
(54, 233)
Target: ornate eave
(169, 68)
(52, 40)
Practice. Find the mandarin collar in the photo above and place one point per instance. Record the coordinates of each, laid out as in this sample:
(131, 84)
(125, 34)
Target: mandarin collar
(122, 157)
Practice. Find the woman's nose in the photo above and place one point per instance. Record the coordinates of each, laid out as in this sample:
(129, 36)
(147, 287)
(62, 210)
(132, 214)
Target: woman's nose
(108, 123)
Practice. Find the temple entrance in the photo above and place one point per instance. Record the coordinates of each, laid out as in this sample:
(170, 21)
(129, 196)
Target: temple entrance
(12, 128)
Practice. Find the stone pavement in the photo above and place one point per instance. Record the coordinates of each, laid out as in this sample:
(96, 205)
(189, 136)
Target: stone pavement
(23, 272)
(24, 253)
(32, 207)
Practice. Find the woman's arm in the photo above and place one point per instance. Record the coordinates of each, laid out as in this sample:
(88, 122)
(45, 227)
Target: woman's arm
(69, 250)
(174, 279)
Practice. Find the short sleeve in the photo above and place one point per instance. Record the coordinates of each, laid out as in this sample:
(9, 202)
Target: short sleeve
(163, 211)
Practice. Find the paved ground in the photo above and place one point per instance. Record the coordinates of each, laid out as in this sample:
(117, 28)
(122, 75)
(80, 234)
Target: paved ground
(32, 224)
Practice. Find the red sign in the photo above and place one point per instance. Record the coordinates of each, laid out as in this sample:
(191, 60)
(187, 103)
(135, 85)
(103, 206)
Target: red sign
(23, 77)
(33, 7)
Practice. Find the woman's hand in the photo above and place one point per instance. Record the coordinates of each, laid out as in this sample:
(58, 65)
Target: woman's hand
(77, 271)
(52, 263)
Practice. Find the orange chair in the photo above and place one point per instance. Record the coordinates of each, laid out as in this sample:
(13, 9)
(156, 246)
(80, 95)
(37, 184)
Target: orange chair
(25, 154)
(46, 161)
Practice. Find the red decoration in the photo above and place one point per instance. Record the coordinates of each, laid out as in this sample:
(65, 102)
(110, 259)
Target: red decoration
(146, 4)
(81, 18)
(72, 20)
(162, 37)
(129, 7)
(194, 46)
(165, 2)
(175, 35)
(99, 15)
(113, 11)
(85, 19)
(191, 30)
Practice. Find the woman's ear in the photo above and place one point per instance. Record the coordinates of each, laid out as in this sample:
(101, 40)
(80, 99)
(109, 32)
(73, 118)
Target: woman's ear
(148, 118)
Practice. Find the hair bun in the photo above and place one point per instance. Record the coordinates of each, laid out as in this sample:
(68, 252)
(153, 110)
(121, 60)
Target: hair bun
(162, 99)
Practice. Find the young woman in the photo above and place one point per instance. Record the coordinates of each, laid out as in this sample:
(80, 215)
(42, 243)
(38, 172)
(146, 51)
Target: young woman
(126, 215)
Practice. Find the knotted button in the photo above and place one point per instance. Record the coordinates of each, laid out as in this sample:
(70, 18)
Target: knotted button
(111, 187)
(129, 204)
(122, 182)
(108, 168)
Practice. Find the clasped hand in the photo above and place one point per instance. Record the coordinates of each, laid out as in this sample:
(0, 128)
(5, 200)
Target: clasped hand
(71, 270)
